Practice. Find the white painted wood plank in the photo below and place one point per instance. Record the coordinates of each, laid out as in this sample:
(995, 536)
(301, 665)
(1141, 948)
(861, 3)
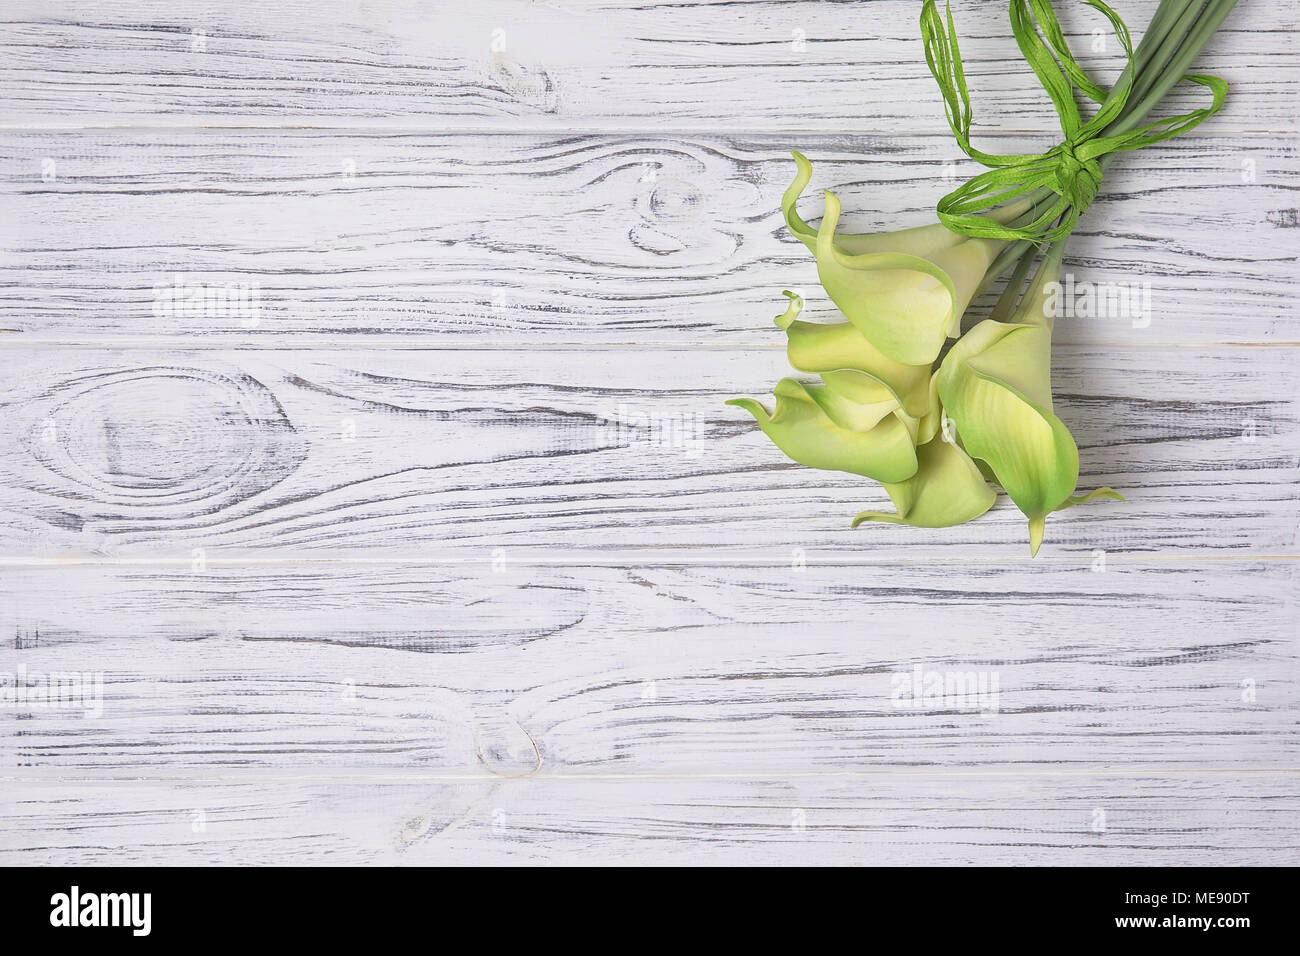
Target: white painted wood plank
(1225, 819)
(610, 240)
(562, 456)
(301, 668)
(572, 64)
(441, 612)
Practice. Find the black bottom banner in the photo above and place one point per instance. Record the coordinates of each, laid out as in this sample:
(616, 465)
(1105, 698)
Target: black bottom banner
(335, 906)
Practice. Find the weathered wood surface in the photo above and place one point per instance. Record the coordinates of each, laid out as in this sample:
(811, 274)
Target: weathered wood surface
(557, 455)
(610, 240)
(293, 668)
(450, 553)
(902, 819)
(571, 64)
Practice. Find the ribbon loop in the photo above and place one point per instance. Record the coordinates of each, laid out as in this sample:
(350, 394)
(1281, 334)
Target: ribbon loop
(1073, 168)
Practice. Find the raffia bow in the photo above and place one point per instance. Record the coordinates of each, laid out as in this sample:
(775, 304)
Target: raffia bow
(1072, 170)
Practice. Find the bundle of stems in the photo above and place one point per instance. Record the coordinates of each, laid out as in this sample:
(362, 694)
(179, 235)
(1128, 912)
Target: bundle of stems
(1176, 35)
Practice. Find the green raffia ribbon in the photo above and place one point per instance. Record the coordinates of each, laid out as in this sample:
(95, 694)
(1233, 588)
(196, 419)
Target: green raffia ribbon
(1072, 169)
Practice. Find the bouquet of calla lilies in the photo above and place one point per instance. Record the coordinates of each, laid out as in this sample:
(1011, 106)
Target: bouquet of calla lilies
(936, 420)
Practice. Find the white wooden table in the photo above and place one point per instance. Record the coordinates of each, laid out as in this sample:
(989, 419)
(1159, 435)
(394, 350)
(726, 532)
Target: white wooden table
(371, 572)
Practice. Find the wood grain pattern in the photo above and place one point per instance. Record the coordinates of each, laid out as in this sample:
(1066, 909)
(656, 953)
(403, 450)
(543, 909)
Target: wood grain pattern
(400, 668)
(570, 64)
(609, 240)
(548, 454)
(448, 552)
(1097, 819)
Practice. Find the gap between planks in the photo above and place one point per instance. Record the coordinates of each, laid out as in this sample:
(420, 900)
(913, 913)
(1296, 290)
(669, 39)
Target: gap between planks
(14, 340)
(416, 129)
(60, 777)
(596, 560)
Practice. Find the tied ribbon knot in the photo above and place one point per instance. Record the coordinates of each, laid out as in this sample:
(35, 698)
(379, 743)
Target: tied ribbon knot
(1077, 177)
(1072, 170)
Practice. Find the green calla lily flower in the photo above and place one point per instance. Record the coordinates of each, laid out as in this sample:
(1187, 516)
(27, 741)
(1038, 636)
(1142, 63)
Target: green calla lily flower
(867, 415)
(920, 241)
(946, 490)
(995, 384)
(853, 423)
(825, 347)
(904, 291)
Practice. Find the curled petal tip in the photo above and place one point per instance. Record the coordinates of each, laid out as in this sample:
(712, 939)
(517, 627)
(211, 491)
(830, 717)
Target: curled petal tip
(748, 404)
(786, 318)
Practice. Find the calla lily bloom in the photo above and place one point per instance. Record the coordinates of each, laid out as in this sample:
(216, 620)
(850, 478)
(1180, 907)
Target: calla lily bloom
(827, 346)
(920, 241)
(842, 425)
(866, 416)
(995, 384)
(946, 490)
(904, 291)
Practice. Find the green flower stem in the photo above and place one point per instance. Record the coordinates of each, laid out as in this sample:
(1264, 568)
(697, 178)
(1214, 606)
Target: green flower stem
(1158, 29)
(1015, 251)
(1006, 304)
(1072, 169)
(1163, 51)
(1142, 102)
(1165, 34)
(1177, 33)
(1012, 254)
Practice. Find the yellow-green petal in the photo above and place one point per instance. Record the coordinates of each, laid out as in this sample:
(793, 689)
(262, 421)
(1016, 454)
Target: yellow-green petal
(946, 490)
(905, 305)
(931, 423)
(1037, 525)
(826, 347)
(995, 386)
(804, 429)
(853, 399)
(920, 241)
